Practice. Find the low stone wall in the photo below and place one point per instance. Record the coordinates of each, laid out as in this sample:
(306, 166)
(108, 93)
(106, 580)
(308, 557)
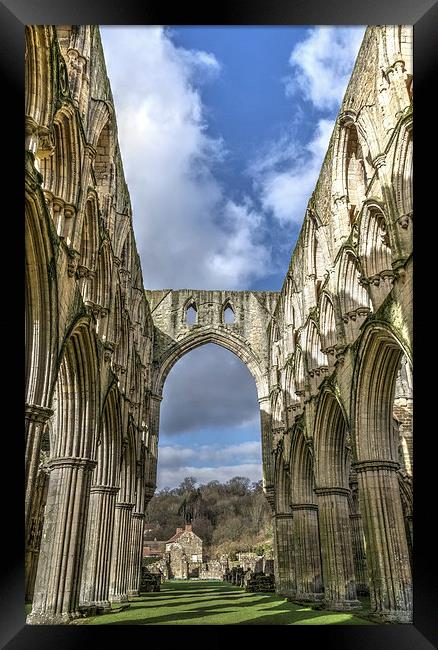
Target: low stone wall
(213, 570)
(149, 581)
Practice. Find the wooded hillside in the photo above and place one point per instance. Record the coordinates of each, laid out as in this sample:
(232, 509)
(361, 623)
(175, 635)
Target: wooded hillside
(229, 517)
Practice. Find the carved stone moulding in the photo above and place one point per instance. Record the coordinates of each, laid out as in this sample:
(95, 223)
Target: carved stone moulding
(37, 413)
(73, 256)
(109, 348)
(404, 220)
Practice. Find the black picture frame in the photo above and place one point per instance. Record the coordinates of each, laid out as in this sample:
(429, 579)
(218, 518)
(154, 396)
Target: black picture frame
(423, 15)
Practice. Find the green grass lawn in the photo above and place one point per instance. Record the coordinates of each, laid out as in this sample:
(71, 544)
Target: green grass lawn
(217, 603)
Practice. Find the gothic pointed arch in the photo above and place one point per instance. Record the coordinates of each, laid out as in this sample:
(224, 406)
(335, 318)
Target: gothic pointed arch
(190, 312)
(41, 303)
(375, 252)
(75, 395)
(62, 170)
(331, 443)
(301, 469)
(316, 360)
(300, 372)
(402, 174)
(354, 300)
(327, 326)
(40, 71)
(228, 312)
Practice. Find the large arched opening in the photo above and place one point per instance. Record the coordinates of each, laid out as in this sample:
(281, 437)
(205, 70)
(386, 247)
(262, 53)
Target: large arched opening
(209, 454)
(382, 414)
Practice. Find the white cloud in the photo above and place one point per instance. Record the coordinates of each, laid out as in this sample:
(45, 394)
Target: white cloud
(286, 192)
(175, 455)
(286, 174)
(218, 463)
(322, 64)
(189, 234)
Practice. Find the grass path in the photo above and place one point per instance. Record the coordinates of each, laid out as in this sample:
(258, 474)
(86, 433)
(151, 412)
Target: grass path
(217, 603)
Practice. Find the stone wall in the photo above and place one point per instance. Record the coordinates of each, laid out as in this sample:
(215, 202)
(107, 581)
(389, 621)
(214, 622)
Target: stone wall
(89, 337)
(341, 351)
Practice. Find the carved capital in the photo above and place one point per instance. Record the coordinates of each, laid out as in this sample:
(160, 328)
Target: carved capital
(87, 464)
(104, 489)
(284, 515)
(138, 515)
(69, 210)
(304, 506)
(323, 491)
(340, 351)
(36, 413)
(373, 465)
(125, 506)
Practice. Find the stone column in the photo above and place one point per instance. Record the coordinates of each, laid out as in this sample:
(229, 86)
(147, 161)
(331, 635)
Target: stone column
(136, 553)
(35, 531)
(385, 533)
(265, 428)
(118, 591)
(305, 533)
(336, 549)
(285, 569)
(359, 557)
(36, 419)
(56, 595)
(95, 578)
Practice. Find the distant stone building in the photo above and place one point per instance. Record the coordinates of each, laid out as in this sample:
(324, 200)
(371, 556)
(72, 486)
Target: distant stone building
(184, 551)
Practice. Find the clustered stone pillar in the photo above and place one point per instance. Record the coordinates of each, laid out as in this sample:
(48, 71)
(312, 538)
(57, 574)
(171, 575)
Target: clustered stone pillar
(36, 419)
(56, 595)
(387, 548)
(35, 530)
(118, 591)
(265, 429)
(95, 579)
(336, 548)
(307, 557)
(285, 571)
(136, 548)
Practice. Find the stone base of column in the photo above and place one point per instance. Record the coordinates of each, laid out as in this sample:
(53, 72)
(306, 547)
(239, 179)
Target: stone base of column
(133, 592)
(119, 598)
(342, 605)
(392, 616)
(303, 599)
(94, 609)
(56, 619)
(286, 593)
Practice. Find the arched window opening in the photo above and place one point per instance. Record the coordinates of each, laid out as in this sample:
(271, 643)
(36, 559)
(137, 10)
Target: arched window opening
(229, 317)
(191, 315)
(356, 179)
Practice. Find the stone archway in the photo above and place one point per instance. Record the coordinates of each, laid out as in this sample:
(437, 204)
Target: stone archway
(247, 337)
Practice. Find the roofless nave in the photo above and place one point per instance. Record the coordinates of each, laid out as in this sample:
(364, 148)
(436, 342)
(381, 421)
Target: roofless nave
(331, 354)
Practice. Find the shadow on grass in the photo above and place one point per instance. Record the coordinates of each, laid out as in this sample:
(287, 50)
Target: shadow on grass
(220, 604)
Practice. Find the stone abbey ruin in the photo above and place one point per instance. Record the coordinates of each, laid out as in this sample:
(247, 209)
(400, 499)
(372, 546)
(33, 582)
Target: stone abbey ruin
(331, 353)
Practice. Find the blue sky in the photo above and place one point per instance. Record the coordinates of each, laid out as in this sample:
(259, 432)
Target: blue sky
(222, 132)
